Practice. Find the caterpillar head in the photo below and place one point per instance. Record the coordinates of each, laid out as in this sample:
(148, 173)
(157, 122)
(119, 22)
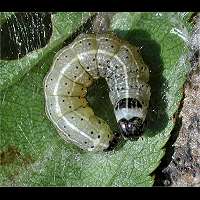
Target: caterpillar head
(132, 128)
(130, 115)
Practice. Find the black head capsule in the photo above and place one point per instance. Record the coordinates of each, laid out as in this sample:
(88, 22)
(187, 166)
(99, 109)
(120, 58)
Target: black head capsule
(132, 128)
(127, 112)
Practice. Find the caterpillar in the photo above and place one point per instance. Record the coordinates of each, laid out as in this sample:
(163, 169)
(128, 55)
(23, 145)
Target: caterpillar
(74, 69)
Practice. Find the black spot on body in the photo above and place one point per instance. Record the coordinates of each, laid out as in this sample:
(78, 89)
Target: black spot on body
(132, 103)
(139, 105)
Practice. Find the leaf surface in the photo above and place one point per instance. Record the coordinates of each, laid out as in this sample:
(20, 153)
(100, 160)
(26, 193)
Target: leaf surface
(33, 154)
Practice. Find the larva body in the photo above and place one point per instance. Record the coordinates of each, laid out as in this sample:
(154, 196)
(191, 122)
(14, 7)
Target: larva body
(89, 57)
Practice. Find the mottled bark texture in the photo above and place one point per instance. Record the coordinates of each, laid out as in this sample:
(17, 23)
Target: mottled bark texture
(184, 168)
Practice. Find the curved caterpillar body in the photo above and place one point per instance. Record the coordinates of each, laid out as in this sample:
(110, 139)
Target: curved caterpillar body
(75, 67)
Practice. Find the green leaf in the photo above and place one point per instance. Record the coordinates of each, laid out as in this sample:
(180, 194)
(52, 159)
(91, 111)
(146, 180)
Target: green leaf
(4, 16)
(33, 154)
(64, 24)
